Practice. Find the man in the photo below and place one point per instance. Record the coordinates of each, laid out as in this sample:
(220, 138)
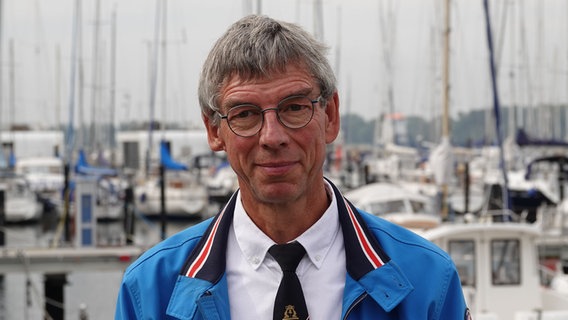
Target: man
(269, 100)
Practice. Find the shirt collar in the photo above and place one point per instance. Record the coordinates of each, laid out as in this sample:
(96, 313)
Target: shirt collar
(317, 240)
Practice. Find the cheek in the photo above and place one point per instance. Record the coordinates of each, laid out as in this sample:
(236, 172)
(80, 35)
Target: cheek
(239, 155)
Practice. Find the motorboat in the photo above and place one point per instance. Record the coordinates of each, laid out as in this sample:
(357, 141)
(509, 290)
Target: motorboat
(184, 196)
(45, 176)
(500, 271)
(397, 204)
(20, 202)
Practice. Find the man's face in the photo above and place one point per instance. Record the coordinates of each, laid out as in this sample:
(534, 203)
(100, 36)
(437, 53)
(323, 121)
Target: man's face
(278, 164)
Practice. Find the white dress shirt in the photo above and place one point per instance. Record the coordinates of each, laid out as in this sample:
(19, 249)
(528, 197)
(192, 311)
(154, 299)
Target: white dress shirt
(254, 276)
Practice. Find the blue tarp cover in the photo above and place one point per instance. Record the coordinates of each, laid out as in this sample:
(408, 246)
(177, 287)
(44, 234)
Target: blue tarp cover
(83, 167)
(166, 159)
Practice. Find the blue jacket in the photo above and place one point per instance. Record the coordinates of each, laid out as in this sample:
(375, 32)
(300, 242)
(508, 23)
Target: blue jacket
(392, 273)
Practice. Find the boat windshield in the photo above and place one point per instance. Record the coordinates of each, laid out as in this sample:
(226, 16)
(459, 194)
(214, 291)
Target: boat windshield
(463, 255)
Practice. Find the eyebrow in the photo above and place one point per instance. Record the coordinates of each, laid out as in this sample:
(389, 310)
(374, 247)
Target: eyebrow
(231, 103)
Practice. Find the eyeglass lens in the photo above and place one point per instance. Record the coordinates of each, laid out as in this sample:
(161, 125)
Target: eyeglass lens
(293, 112)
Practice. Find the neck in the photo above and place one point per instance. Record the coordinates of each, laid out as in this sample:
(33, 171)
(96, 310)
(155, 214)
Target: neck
(284, 222)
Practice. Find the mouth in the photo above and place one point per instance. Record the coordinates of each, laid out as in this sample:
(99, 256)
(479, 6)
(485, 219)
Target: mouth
(277, 168)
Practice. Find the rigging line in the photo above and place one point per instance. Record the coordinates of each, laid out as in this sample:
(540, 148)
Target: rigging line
(112, 98)
(1, 59)
(164, 68)
(81, 139)
(25, 261)
(70, 125)
(501, 36)
(338, 45)
(181, 101)
(387, 26)
(153, 86)
(419, 96)
(511, 75)
(469, 91)
(525, 65)
(42, 56)
(95, 75)
(435, 76)
(446, 69)
(318, 20)
(496, 108)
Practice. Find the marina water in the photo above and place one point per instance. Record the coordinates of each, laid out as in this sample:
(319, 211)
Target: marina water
(87, 295)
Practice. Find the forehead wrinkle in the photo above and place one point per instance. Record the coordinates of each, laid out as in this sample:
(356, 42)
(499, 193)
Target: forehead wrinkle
(233, 102)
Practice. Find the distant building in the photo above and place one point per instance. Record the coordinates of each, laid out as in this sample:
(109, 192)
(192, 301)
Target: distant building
(183, 144)
(28, 144)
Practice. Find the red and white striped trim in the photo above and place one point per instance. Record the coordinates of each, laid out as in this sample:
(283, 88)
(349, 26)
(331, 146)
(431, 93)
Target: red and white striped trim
(198, 263)
(370, 252)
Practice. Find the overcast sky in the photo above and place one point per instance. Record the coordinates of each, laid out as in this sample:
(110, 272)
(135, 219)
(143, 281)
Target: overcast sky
(363, 35)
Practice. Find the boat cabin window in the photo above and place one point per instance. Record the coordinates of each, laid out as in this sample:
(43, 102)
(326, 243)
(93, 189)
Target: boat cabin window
(418, 206)
(506, 262)
(386, 207)
(463, 255)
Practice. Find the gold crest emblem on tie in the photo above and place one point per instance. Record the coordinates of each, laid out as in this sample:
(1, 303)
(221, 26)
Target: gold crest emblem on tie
(290, 313)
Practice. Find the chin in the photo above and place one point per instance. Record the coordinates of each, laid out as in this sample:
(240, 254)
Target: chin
(278, 193)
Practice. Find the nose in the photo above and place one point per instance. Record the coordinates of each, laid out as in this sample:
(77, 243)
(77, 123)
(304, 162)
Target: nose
(272, 133)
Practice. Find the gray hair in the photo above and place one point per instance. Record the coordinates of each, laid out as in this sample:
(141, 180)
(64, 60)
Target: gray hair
(255, 47)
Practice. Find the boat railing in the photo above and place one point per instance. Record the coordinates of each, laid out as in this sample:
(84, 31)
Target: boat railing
(499, 215)
(553, 220)
(546, 275)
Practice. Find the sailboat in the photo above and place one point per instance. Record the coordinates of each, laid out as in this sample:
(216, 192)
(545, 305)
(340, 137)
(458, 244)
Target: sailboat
(110, 188)
(44, 175)
(20, 202)
(184, 195)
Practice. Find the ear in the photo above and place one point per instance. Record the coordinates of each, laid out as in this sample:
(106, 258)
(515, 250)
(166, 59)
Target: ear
(333, 118)
(214, 139)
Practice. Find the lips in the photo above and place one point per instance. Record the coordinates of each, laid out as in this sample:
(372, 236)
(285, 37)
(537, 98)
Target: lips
(277, 168)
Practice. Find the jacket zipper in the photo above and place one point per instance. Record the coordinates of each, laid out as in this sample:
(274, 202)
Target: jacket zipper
(354, 304)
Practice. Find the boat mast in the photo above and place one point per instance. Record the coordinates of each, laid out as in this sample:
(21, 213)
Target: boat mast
(445, 100)
(164, 66)
(58, 123)
(95, 76)
(1, 59)
(387, 25)
(81, 140)
(70, 136)
(12, 88)
(113, 90)
(446, 73)
(497, 110)
(513, 106)
(318, 20)
(153, 83)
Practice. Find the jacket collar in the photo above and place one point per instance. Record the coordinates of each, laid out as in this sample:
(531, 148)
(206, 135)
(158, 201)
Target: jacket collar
(367, 263)
(208, 259)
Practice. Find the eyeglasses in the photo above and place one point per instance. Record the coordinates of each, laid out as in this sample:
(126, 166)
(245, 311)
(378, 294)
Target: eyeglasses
(294, 112)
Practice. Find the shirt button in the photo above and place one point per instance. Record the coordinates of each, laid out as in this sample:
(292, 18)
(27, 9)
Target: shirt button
(255, 260)
(318, 257)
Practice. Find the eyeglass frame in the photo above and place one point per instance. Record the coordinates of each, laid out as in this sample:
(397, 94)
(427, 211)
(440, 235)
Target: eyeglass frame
(262, 111)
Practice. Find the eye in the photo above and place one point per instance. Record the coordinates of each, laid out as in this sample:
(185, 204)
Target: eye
(295, 104)
(243, 112)
(296, 107)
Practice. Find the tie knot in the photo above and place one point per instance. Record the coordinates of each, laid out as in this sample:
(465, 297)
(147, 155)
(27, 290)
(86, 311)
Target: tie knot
(288, 255)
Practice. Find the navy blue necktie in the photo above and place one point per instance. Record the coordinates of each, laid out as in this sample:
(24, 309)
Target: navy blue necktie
(290, 303)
